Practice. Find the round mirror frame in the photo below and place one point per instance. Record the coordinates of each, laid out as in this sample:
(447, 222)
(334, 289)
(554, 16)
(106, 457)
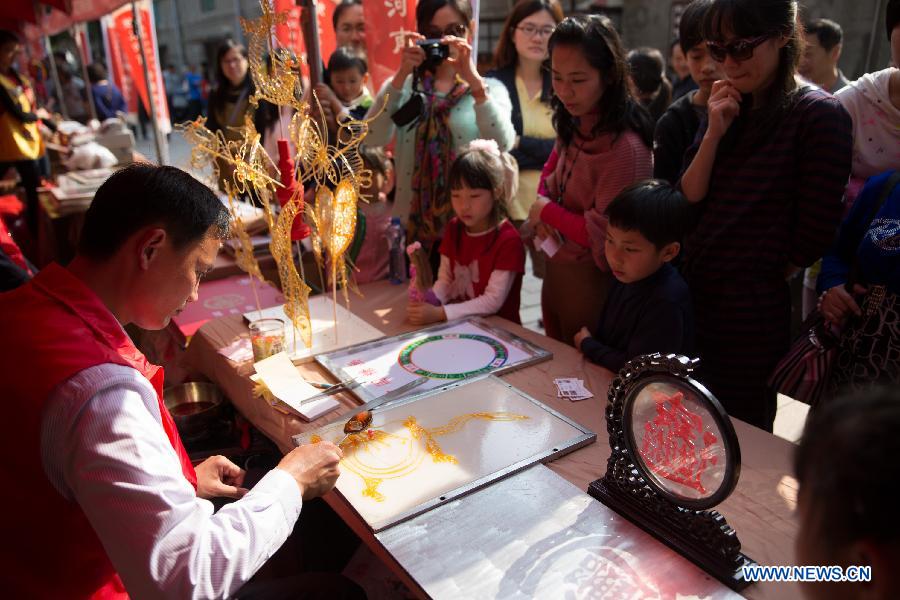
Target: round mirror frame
(674, 370)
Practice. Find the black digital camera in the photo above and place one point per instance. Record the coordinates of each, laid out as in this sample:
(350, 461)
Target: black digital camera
(414, 109)
(435, 53)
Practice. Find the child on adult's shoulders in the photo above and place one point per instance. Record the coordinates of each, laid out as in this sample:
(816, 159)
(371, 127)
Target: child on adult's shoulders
(649, 306)
(482, 255)
(348, 75)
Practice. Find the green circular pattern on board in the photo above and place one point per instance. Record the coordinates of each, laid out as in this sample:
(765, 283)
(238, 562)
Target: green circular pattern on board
(499, 359)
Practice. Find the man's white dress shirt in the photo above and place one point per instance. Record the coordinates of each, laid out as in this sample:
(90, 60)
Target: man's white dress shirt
(104, 447)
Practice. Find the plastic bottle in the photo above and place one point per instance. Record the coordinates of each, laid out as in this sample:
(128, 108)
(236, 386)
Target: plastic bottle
(397, 273)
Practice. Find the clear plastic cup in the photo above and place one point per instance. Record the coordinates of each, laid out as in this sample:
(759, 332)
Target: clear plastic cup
(266, 338)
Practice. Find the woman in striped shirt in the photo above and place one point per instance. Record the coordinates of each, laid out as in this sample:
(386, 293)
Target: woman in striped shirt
(603, 146)
(767, 179)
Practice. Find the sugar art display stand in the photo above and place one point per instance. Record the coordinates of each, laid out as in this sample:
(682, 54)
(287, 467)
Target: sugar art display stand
(675, 455)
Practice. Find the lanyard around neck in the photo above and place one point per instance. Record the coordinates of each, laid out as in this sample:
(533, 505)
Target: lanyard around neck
(567, 174)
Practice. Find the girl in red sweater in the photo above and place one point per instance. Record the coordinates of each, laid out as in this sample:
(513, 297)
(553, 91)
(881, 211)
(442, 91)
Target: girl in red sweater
(482, 255)
(603, 146)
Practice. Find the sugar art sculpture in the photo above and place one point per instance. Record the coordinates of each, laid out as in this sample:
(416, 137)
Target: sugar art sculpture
(335, 172)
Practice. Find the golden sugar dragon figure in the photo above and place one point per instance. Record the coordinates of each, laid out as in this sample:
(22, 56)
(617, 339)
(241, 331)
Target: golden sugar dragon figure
(211, 150)
(277, 81)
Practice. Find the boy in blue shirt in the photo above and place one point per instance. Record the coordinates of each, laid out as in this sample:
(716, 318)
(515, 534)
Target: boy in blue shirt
(649, 305)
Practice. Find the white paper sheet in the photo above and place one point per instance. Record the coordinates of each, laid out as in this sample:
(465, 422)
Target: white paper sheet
(550, 246)
(281, 377)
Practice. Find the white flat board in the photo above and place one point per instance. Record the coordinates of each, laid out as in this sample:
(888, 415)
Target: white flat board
(445, 354)
(432, 448)
(535, 535)
(351, 330)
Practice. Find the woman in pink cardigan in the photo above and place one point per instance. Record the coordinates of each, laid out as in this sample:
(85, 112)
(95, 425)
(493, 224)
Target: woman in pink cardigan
(603, 145)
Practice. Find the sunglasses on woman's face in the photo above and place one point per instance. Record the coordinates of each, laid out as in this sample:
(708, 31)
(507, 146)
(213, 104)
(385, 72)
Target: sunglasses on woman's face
(738, 50)
(454, 29)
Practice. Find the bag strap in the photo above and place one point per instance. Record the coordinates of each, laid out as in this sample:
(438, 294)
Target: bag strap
(886, 190)
(237, 106)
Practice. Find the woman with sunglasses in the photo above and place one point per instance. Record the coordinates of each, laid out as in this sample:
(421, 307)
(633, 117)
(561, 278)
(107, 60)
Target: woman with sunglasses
(767, 179)
(521, 63)
(457, 106)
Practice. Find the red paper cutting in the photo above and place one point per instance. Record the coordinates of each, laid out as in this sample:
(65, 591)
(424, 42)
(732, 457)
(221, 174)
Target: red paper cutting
(671, 446)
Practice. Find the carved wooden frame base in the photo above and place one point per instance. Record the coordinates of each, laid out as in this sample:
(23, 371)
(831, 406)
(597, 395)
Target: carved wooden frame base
(702, 536)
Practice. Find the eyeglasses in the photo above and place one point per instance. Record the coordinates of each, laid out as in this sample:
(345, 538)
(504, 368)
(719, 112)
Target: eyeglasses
(454, 29)
(532, 31)
(738, 50)
(348, 28)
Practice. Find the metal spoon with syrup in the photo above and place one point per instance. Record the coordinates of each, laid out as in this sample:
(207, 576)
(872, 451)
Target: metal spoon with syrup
(357, 424)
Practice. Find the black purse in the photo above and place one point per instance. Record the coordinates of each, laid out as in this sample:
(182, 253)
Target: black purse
(413, 110)
(804, 373)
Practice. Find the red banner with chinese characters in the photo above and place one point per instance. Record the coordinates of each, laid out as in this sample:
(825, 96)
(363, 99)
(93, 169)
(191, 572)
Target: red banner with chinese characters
(387, 23)
(126, 65)
(114, 64)
(327, 41)
(290, 34)
(84, 43)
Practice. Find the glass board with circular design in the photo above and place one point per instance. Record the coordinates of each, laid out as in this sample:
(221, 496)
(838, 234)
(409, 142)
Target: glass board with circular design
(430, 358)
(681, 440)
(453, 356)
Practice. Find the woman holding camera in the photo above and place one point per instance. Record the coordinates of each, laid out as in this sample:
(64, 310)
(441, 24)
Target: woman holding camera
(436, 105)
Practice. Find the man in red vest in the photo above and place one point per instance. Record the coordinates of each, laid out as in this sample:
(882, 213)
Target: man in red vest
(101, 499)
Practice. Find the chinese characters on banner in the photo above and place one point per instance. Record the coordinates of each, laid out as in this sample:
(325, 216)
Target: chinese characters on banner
(387, 23)
(123, 52)
(290, 34)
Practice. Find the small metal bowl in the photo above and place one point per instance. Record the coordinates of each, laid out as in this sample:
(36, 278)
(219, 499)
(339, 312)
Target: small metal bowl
(193, 406)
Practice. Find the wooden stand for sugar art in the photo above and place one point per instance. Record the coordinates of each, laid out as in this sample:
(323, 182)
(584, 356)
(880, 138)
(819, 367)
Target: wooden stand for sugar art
(674, 456)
